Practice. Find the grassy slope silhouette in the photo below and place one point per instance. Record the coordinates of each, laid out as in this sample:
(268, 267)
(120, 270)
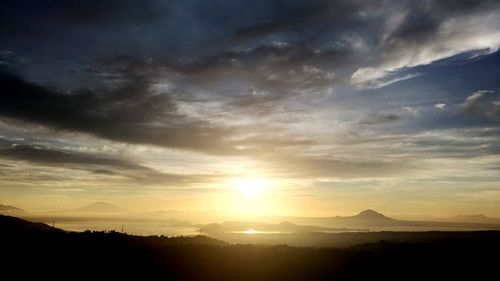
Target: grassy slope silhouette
(31, 250)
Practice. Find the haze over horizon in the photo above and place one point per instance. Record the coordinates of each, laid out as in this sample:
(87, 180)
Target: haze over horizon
(252, 107)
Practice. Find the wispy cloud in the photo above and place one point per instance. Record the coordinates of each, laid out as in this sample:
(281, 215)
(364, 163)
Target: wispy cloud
(97, 164)
(363, 79)
(440, 105)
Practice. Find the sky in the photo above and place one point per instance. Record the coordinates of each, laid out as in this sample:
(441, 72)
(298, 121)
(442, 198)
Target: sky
(252, 107)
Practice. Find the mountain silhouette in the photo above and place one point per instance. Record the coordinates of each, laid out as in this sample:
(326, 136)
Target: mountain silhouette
(368, 215)
(30, 249)
(366, 218)
(371, 215)
(13, 224)
(100, 207)
(478, 218)
(371, 218)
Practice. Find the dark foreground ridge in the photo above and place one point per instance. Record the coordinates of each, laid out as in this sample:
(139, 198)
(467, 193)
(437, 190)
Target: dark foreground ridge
(36, 251)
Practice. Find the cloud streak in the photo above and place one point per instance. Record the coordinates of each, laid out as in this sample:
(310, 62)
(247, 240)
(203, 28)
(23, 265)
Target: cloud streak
(96, 164)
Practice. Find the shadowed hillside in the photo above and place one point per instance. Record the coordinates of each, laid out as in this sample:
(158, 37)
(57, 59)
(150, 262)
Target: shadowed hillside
(13, 225)
(30, 250)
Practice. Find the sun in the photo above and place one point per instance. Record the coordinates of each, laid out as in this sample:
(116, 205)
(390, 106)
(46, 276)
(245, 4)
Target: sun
(251, 187)
(248, 195)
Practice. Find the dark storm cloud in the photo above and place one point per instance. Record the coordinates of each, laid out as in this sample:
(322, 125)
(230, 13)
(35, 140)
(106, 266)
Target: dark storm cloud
(110, 11)
(16, 15)
(461, 6)
(302, 22)
(127, 111)
(369, 36)
(127, 114)
(425, 17)
(187, 28)
(194, 28)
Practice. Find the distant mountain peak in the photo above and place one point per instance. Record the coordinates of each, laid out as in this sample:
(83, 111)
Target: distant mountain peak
(100, 207)
(370, 214)
(477, 216)
(366, 218)
(286, 223)
(101, 203)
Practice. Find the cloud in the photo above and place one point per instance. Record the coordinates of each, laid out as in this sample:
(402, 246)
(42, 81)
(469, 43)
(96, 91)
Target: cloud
(495, 109)
(253, 81)
(37, 154)
(418, 33)
(477, 102)
(97, 164)
(368, 78)
(263, 45)
(381, 118)
(410, 110)
(171, 27)
(300, 166)
(272, 87)
(267, 81)
(440, 105)
(114, 11)
(127, 113)
(472, 102)
(133, 108)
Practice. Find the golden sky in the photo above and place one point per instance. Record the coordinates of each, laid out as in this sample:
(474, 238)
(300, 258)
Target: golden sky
(303, 108)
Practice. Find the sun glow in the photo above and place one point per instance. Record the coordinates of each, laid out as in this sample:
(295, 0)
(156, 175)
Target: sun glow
(251, 195)
(250, 232)
(251, 187)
